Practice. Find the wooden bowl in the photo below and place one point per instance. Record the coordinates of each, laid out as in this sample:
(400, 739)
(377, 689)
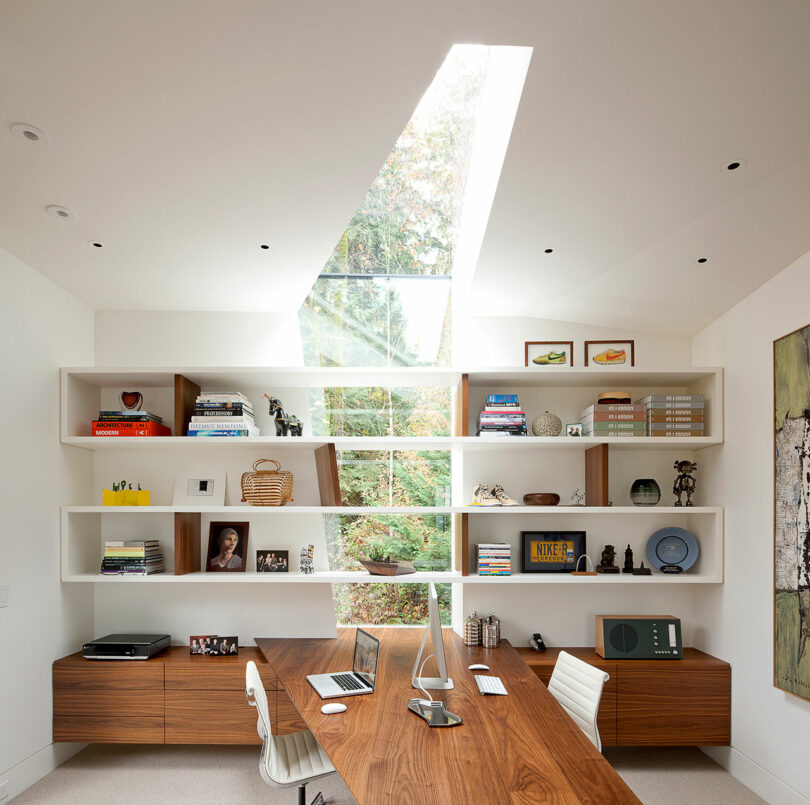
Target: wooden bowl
(387, 568)
(541, 499)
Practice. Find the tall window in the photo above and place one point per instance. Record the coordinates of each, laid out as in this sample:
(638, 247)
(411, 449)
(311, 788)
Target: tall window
(384, 299)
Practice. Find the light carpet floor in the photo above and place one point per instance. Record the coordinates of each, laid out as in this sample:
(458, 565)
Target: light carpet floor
(141, 775)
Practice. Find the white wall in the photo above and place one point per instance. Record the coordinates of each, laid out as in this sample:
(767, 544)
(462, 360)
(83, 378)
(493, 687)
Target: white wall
(41, 328)
(770, 728)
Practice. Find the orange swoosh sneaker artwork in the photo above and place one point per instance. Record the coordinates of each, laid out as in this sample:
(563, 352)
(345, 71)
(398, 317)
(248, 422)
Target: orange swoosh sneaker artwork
(610, 356)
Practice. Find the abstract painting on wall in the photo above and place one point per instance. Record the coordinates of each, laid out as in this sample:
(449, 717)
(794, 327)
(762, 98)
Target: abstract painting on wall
(791, 372)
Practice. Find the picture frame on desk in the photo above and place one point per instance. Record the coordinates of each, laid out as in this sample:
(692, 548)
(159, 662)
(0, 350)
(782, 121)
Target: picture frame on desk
(551, 551)
(227, 547)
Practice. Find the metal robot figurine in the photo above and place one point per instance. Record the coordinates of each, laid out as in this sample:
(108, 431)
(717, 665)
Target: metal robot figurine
(684, 482)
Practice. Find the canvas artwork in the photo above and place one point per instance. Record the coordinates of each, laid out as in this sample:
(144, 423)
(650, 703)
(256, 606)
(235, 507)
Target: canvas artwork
(791, 365)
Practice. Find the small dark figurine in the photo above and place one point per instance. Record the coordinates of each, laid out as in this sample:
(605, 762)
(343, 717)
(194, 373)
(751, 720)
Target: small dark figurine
(628, 560)
(642, 571)
(606, 565)
(285, 423)
(684, 482)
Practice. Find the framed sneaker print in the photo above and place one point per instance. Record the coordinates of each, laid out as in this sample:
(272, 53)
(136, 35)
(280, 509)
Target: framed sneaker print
(549, 353)
(609, 353)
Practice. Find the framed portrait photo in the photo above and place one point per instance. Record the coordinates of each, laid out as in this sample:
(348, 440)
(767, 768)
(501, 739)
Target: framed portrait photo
(610, 353)
(550, 551)
(199, 488)
(548, 353)
(273, 561)
(227, 547)
(573, 429)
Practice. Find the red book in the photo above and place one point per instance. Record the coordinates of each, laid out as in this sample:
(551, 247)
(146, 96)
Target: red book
(130, 429)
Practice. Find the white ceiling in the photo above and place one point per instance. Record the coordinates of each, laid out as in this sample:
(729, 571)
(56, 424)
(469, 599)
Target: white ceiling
(185, 133)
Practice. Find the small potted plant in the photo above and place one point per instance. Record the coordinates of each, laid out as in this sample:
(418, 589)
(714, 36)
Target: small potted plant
(378, 564)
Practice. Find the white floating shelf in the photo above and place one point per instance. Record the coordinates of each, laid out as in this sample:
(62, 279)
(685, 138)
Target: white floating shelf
(551, 511)
(319, 577)
(415, 443)
(567, 578)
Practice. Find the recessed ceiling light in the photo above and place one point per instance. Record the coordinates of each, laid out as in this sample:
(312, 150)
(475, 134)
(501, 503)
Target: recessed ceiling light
(30, 133)
(60, 212)
(264, 246)
(549, 251)
(95, 244)
(702, 259)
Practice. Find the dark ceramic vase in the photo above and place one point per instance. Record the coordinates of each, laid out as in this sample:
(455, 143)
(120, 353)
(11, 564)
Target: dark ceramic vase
(645, 492)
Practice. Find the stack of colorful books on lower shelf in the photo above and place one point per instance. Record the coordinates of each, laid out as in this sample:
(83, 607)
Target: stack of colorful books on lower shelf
(614, 419)
(493, 558)
(675, 414)
(222, 413)
(129, 423)
(502, 417)
(132, 558)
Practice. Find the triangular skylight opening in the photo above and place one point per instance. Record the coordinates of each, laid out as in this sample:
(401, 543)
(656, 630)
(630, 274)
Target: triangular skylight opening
(385, 295)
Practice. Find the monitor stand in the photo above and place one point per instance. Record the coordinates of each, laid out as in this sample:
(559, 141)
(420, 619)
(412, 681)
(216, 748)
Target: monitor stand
(428, 682)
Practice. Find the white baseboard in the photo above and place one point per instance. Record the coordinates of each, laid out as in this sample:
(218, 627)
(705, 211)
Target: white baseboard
(760, 781)
(34, 768)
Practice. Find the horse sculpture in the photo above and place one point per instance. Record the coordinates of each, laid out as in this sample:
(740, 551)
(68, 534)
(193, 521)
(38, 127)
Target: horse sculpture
(285, 424)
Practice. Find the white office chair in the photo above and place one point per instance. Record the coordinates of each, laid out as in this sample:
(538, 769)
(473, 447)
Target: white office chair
(286, 760)
(577, 686)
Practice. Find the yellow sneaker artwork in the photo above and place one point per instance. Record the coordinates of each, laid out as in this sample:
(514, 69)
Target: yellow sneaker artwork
(610, 356)
(549, 358)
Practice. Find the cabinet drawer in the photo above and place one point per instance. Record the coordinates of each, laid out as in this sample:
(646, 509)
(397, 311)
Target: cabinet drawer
(210, 717)
(214, 673)
(288, 719)
(107, 703)
(109, 675)
(689, 707)
(93, 729)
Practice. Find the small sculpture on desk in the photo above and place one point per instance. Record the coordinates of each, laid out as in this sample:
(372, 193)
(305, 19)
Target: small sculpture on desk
(607, 564)
(306, 562)
(684, 482)
(642, 571)
(628, 560)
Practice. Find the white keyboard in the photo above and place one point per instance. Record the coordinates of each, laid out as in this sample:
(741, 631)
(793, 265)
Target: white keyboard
(490, 684)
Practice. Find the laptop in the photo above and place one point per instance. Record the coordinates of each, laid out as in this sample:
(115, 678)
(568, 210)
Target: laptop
(361, 679)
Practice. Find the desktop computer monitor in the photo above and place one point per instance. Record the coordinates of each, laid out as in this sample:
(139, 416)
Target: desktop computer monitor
(434, 628)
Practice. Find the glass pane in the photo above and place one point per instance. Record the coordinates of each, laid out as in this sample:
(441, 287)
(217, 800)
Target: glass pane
(401, 604)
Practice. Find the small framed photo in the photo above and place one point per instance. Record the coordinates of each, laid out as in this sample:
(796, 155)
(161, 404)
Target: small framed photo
(202, 643)
(227, 547)
(273, 561)
(551, 551)
(573, 429)
(548, 353)
(199, 488)
(225, 647)
(610, 353)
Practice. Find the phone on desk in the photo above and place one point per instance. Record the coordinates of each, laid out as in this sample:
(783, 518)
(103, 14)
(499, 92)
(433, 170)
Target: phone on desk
(536, 642)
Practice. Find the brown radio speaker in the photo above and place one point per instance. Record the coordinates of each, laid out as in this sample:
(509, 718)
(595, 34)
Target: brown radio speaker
(638, 637)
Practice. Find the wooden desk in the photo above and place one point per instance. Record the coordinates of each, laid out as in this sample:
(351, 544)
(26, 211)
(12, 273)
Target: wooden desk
(520, 748)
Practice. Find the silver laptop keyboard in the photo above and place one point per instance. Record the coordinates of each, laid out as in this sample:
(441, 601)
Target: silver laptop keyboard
(347, 682)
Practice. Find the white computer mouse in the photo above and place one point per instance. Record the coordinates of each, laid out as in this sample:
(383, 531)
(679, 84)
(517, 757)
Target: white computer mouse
(333, 707)
(478, 666)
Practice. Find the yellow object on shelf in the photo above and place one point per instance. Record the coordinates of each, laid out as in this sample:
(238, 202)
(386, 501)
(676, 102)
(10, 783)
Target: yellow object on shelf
(125, 497)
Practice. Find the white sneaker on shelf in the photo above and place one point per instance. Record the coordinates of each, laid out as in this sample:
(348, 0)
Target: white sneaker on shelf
(501, 496)
(483, 497)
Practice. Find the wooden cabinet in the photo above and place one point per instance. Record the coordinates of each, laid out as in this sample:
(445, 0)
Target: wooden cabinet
(173, 698)
(656, 702)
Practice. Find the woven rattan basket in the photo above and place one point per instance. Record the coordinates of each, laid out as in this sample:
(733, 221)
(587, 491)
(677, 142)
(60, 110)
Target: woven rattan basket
(267, 487)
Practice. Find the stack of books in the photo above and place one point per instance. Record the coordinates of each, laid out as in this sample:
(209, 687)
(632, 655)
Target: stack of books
(132, 558)
(222, 413)
(674, 414)
(502, 417)
(494, 558)
(129, 423)
(614, 419)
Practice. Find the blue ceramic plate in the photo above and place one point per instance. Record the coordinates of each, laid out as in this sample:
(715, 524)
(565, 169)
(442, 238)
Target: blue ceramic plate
(672, 546)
